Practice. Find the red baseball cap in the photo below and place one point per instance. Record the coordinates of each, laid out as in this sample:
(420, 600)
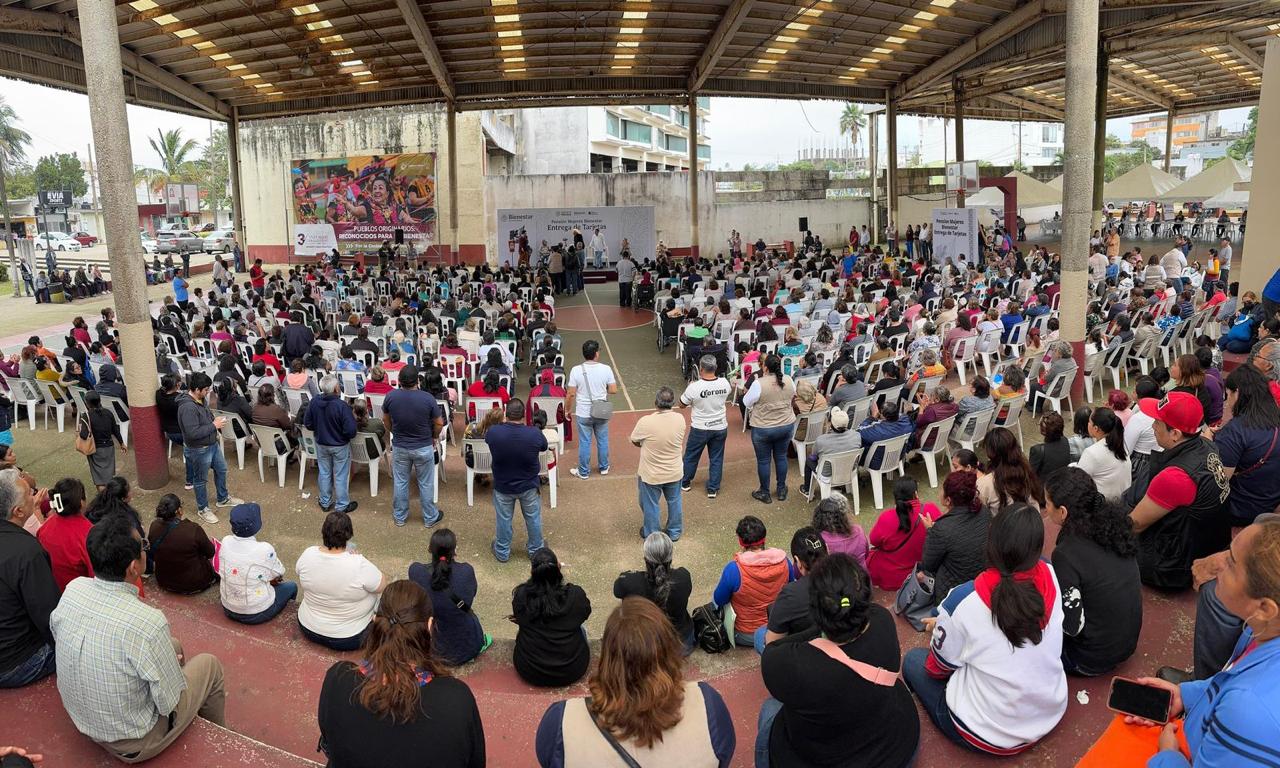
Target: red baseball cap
(1179, 410)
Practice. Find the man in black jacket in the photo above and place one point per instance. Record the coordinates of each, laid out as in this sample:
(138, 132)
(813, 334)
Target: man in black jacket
(202, 448)
(28, 593)
(298, 339)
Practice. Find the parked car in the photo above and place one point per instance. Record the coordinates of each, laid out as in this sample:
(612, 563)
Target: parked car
(206, 229)
(85, 239)
(218, 241)
(149, 244)
(58, 241)
(178, 241)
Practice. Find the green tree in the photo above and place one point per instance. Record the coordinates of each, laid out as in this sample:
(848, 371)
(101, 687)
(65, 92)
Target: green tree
(852, 121)
(19, 180)
(61, 171)
(13, 140)
(173, 151)
(1243, 147)
(1113, 142)
(215, 172)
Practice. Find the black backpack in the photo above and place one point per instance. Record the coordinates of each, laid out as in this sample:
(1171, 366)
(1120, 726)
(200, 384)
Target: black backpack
(708, 629)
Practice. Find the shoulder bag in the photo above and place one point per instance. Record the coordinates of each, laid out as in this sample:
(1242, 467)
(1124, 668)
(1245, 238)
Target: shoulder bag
(709, 629)
(623, 754)
(84, 444)
(868, 672)
(914, 600)
(601, 410)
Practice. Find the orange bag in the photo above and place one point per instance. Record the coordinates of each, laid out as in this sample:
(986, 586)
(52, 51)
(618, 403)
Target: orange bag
(1123, 745)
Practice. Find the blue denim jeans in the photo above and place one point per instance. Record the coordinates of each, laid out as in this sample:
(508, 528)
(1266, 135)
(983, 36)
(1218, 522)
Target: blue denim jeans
(352, 643)
(759, 638)
(285, 591)
(713, 440)
(651, 505)
(504, 507)
(38, 666)
(771, 446)
(176, 439)
(199, 462)
(932, 694)
(1216, 632)
(334, 463)
(403, 462)
(769, 709)
(587, 429)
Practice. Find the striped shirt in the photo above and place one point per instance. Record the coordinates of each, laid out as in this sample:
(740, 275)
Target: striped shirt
(117, 670)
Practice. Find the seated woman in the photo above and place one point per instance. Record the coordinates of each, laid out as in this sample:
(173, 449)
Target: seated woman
(253, 589)
(954, 546)
(340, 588)
(1096, 562)
(831, 519)
(1106, 461)
(791, 343)
(551, 643)
(399, 703)
(63, 535)
(1009, 479)
(378, 382)
(268, 413)
(182, 551)
(640, 705)
(751, 581)
(73, 375)
(452, 587)
(789, 614)
(836, 699)
(992, 678)
(494, 361)
(360, 410)
(898, 536)
(297, 378)
(490, 386)
(669, 588)
(1055, 452)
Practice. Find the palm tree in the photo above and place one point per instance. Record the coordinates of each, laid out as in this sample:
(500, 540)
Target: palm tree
(13, 148)
(173, 151)
(146, 177)
(851, 122)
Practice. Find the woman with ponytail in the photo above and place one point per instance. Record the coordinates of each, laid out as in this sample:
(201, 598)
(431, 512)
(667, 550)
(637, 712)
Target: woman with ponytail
(1106, 461)
(1097, 567)
(669, 588)
(551, 642)
(992, 679)
(452, 586)
(954, 546)
(897, 538)
(772, 422)
(399, 702)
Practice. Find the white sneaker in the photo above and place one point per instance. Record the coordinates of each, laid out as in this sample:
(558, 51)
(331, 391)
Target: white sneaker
(604, 471)
(231, 501)
(207, 516)
(574, 471)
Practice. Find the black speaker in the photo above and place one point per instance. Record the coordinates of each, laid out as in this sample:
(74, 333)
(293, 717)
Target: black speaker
(804, 224)
(399, 237)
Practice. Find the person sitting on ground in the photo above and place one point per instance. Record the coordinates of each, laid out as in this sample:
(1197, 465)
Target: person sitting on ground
(1095, 559)
(669, 588)
(63, 534)
(898, 536)
(1009, 478)
(640, 704)
(1106, 461)
(789, 614)
(551, 647)
(183, 553)
(991, 679)
(108, 640)
(832, 519)
(840, 439)
(457, 635)
(954, 544)
(340, 588)
(28, 590)
(399, 702)
(751, 581)
(252, 586)
(836, 699)
(1055, 452)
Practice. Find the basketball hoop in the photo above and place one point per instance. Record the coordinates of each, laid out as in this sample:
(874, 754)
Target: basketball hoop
(962, 177)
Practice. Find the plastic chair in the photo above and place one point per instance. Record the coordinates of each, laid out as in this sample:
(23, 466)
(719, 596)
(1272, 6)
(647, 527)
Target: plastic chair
(121, 412)
(1055, 392)
(352, 382)
(481, 464)
(972, 427)
(815, 424)
(476, 407)
(843, 469)
(547, 469)
(965, 353)
(307, 449)
(933, 442)
(367, 449)
(228, 432)
(1008, 414)
(54, 397)
(375, 405)
(890, 452)
(553, 407)
(269, 440)
(25, 393)
(297, 399)
(859, 410)
(989, 346)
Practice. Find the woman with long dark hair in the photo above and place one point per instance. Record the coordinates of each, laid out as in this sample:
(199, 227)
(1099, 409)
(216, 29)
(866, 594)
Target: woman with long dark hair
(669, 588)
(1187, 375)
(640, 705)
(1107, 461)
(551, 643)
(399, 702)
(832, 520)
(897, 538)
(954, 545)
(1249, 445)
(1009, 479)
(1096, 560)
(992, 678)
(1055, 452)
(772, 421)
(452, 587)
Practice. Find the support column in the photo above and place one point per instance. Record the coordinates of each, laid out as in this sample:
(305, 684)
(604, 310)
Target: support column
(15, 274)
(1257, 266)
(891, 134)
(1168, 138)
(875, 177)
(100, 41)
(451, 123)
(237, 203)
(693, 174)
(1080, 133)
(1099, 134)
(959, 116)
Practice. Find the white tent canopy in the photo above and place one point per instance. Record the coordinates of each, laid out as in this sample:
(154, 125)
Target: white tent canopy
(1141, 183)
(1218, 179)
(1032, 193)
(1235, 199)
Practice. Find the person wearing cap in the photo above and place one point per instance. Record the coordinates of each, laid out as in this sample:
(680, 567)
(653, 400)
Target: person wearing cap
(839, 440)
(253, 588)
(1181, 517)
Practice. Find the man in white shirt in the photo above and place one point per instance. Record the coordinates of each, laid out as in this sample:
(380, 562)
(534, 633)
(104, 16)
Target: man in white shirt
(707, 395)
(596, 381)
(1224, 259)
(251, 586)
(1097, 266)
(1173, 261)
(599, 250)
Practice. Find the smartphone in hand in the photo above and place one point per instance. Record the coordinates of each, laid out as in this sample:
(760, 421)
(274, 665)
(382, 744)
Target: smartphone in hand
(1129, 697)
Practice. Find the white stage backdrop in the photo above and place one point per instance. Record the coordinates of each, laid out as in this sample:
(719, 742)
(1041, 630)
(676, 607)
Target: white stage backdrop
(955, 233)
(555, 225)
(313, 239)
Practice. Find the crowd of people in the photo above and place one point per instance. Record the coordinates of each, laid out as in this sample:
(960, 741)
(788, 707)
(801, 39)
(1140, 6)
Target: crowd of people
(839, 357)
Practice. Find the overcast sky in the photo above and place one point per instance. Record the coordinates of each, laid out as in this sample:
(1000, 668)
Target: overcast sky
(743, 131)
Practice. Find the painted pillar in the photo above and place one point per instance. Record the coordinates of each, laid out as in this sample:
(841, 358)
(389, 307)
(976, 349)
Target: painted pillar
(1260, 264)
(451, 128)
(100, 41)
(1100, 134)
(892, 135)
(693, 174)
(875, 177)
(1080, 133)
(237, 200)
(959, 116)
(1168, 138)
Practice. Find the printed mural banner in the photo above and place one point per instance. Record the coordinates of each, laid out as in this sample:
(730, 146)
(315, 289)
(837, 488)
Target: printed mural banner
(955, 235)
(632, 225)
(367, 198)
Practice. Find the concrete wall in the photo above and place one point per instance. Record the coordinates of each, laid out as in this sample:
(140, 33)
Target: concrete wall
(552, 140)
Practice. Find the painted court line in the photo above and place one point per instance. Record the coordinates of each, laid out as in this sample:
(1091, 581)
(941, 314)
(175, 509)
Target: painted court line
(617, 374)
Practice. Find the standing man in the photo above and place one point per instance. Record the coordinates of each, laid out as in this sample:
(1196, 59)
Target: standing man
(122, 677)
(599, 250)
(596, 380)
(181, 292)
(258, 277)
(1224, 260)
(626, 275)
(202, 446)
(413, 418)
(186, 263)
(334, 424)
(660, 436)
(516, 449)
(237, 255)
(707, 394)
(28, 592)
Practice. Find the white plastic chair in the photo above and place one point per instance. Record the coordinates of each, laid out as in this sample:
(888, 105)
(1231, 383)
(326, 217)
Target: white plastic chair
(121, 412)
(547, 469)
(933, 442)
(859, 410)
(965, 354)
(54, 397)
(24, 392)
(1008, 415)
(269, 440)
(367, 449)
(297, 399)
(989, 343)
(816, 422)
(1055, 392)
(481, 464)
(971, 428)
(307, 449)
(843, 468)
(228, 432)
(890, 453)
(552, 406)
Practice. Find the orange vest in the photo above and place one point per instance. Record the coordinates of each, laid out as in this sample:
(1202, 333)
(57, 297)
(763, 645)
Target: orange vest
(763, 574)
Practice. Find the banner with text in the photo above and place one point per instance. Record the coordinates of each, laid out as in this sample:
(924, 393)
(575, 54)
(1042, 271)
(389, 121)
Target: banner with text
(366, 199)
(313, 239)
(955, 234)
(618, 225)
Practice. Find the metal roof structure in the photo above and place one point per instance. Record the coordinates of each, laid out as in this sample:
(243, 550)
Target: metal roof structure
(267, 58)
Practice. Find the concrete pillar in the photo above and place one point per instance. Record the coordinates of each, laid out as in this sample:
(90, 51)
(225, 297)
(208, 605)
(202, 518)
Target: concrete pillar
(1259, 264)
(874, 174)
(1168, 138)
(1100, 134)
(693, 174)
(237, 201)
(15, 274)
(891, 134)
(451, 128)
(100, 41)
(1078, 177)
(959, 116)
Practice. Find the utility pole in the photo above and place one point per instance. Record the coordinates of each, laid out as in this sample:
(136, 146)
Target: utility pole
(15, 276)
(93, 195)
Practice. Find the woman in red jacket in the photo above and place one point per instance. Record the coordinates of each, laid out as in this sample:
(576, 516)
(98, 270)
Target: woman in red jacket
(897, 538)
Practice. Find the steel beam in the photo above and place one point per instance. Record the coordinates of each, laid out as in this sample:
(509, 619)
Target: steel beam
(733, 17)
(427, 44)
(1122, 81)
(1245, 51)
(14, 19)
(1028, 105)
(1145, 43)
